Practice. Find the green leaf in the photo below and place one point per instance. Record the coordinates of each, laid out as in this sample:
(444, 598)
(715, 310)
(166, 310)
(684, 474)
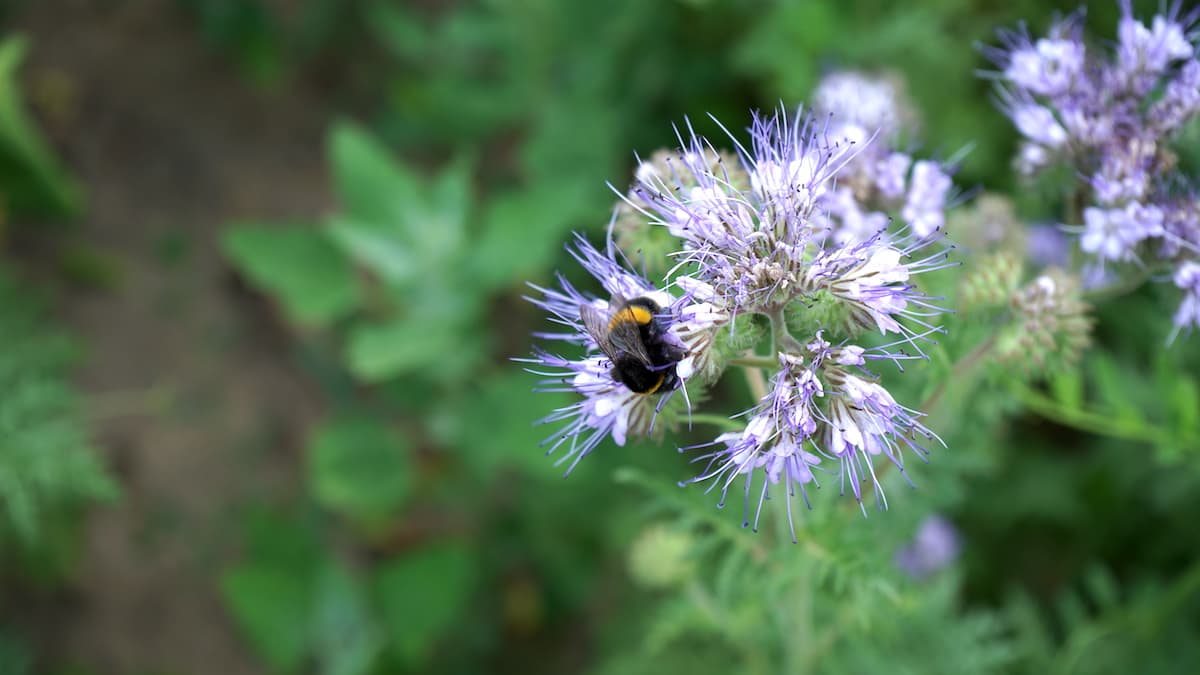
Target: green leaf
(380, 250)
(378, 351)
(374, 188)
(496, 425)
(31, 178)
(396, 29)
(271, 595)
(522, 232)
(347, 640)
(400, 226)
(272, 607)
(359, 467)
(299, 266)
(421, 594)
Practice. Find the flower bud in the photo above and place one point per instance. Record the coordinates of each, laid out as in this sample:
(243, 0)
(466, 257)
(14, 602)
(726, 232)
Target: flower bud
(645, 242)
(991, 281)
(1051, 328)
(661, 557)
(990, 223)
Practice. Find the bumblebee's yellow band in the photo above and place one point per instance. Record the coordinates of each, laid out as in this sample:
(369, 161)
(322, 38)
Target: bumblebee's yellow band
(656, 386)
(639, 315)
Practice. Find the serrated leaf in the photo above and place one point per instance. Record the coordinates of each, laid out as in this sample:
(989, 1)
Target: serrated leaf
(306, 273)
(373, 187)
(422, 593)
(359, 467)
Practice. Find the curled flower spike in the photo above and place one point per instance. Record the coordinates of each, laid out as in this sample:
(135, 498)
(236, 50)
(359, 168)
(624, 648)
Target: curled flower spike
(872, 278)
(748, 242)
(1052, 326)
(610, 408)
(823, 406)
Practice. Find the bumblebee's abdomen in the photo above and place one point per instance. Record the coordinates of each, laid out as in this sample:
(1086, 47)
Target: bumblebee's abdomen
(640, 379)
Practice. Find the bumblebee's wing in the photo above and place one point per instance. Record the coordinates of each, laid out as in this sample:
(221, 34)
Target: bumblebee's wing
(596, 324)
(626, 338)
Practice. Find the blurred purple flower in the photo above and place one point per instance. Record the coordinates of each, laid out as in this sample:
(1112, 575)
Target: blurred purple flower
(1187, 277)
(935, 547)
(1047, 246)
(1112, 118)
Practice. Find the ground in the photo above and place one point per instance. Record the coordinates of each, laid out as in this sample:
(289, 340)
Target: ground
(190, 379)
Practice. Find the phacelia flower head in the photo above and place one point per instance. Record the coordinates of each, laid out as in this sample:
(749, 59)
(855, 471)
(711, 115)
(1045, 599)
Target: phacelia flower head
(869, 102)
(608, 407)
(764, 237)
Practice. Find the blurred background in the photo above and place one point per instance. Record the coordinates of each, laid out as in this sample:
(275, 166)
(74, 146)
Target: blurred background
(261, 268)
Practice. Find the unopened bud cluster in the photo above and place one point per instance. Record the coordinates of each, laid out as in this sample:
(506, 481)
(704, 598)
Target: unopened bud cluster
(991, 281)
(1051, 327)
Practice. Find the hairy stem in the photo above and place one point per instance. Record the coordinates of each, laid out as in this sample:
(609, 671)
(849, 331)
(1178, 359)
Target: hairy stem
(958, 370)
(757, 383)
(754, 362)
(781, 339)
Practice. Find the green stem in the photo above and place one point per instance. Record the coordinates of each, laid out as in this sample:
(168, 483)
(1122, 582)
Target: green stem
(1121, 287)
(782, 340)
(960, 369)
(1086, 420)
(716, 420)
(754, 362)
(757, 383)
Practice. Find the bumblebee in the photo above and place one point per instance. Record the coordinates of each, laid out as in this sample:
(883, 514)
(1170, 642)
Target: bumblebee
(634, 338)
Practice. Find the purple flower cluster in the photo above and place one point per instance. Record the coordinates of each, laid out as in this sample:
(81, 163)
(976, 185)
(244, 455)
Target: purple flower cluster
(755, 239)
(870, 113)
(823, 405)
(1112, 117)
(763, 244)
(609, 408)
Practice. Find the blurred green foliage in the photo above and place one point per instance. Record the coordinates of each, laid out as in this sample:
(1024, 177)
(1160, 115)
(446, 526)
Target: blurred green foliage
(432, 535)
(517, 113)
(31, 181)
(48, 472)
